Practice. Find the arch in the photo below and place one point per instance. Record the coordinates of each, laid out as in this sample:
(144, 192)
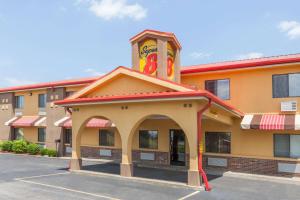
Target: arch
(77, 132)
(147, 116)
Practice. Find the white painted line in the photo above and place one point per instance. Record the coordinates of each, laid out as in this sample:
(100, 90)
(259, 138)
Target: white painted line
(45, 175)
(70, 190)
(189, 195)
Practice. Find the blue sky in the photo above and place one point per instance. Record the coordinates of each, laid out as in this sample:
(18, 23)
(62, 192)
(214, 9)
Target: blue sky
(61, 39)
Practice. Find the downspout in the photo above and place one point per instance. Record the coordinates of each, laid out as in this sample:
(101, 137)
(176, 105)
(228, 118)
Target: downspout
(200, 149)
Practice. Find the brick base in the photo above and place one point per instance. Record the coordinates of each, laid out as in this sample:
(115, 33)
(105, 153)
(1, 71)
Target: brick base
(251, 165)
(94, 152)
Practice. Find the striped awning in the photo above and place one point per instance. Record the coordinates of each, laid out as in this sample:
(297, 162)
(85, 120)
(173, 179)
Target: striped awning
(271, 122)
(66, 122)
(27, 121)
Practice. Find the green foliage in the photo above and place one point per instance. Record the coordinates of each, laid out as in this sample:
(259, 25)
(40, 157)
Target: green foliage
(33, 149)
(52, 153)
(44, 152)
(19, 146)
(7, 146)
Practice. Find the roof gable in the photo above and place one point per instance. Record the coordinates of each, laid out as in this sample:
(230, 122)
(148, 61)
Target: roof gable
(123, 81)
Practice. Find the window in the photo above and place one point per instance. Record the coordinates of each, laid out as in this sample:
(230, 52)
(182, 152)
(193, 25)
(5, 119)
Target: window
(18, 134)
(68, 136)
(287, 145)
(69, 93)
(217, 142)
(41, 135)
(219, 88)
(19, 102)
(106, 138)
(148, 139)
(286, 85)
(42, 100)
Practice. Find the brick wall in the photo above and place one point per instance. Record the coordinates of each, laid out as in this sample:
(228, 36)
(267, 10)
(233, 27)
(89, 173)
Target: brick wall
(251, 165)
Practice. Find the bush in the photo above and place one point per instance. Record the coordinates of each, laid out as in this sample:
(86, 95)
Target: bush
(7, 146)
(52, 153)
(19, 146)
(33, 149)
(44, 152)
(0, 146)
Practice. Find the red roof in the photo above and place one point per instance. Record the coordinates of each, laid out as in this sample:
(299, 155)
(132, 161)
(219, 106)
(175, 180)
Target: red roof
(241, 64)
(92, 123)
(163, 34)
(51, 84)
(25, 121)
(154, 95)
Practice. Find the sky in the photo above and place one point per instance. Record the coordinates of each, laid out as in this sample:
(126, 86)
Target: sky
(47, 40)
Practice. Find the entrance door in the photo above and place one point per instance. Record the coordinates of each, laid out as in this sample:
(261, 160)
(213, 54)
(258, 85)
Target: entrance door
(177, 147)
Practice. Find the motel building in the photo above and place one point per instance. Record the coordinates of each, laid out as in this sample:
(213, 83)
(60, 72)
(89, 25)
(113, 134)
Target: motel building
(240, 116)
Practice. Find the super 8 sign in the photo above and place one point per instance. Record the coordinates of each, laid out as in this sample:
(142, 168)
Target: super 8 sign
(148, 58)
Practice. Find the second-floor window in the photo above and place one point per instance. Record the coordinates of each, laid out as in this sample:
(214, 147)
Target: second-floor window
(286, 85)
(19, 102)
(42, 100)
(219, 88)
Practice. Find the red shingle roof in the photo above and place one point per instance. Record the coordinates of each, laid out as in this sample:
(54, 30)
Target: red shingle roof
(50, 84)
(240, 64)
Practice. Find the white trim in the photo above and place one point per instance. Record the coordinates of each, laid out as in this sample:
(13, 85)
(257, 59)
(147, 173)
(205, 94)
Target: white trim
(297, 122)
(245, 124)
(10, 121)
(41, 122)
(57, 123)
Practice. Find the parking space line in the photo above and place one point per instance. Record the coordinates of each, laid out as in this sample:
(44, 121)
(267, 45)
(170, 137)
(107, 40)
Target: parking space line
(45, 175)
(70, 190)
(189, 195)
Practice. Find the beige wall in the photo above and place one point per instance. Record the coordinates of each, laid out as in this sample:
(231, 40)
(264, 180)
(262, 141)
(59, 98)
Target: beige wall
(250, 90)
(124, 85)
(31, 107)
(90, 137)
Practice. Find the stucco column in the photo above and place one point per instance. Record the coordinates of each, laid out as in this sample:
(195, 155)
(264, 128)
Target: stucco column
(76, 161)
(126, 168)
(194, 178)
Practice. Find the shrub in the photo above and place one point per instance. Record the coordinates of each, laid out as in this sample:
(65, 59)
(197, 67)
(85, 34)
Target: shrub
(52, 153)
(33, 149)
(7, 146)
(44, 152)
(19, 146)
(0, 146)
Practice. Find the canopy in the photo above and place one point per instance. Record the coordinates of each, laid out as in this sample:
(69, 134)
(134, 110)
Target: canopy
(27, 121)
(271, 122)
(66, 122)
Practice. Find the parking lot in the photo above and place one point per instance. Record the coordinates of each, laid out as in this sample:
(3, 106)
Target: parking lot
(24, 177)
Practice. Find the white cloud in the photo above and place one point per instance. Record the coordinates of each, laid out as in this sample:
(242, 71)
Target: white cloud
(199, 55)
(250, 55)
(110, 9)
(290, 28)
(14, 82)
(93, 72)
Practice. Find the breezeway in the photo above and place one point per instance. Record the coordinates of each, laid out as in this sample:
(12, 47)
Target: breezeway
(37, 177)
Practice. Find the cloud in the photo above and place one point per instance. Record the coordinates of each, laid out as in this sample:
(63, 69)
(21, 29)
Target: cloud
(199, 55)
(290, 28)
(15, 81)
(250, 55)
(110, 9)
(93, 72)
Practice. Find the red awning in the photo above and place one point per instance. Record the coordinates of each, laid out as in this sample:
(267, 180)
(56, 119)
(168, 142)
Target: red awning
(25, 121)
(93, 123)
(271, 122)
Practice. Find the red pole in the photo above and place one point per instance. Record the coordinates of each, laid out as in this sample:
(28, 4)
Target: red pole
(199, 139)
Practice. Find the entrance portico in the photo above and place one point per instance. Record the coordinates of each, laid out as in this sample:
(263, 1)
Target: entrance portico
(175, 102)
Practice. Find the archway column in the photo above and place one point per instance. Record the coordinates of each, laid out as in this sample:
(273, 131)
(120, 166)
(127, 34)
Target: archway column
(76, 160)
(126, 167)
